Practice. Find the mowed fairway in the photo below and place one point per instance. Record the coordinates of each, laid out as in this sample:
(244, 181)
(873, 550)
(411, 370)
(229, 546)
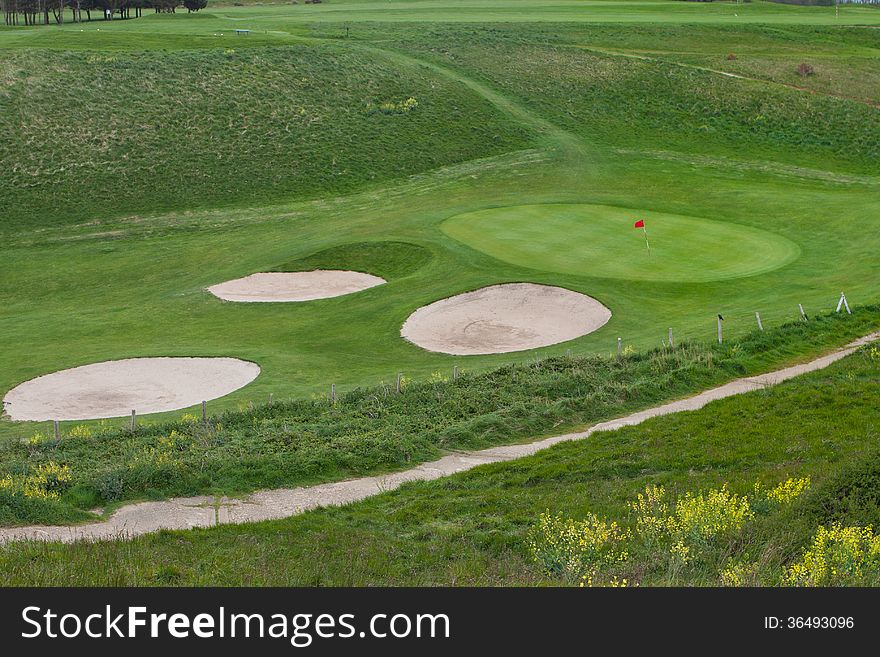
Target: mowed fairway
(600, 240)
(147, 160)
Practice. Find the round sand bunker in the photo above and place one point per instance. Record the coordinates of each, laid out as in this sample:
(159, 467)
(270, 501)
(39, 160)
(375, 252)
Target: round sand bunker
(294, 286)
(504, 318)
(115, 388)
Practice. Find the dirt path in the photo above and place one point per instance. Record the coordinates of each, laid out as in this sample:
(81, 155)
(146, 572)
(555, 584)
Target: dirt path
(206, 511)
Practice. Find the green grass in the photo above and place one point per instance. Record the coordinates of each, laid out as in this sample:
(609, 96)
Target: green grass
(375, 429)
(622, 99)
(471, 529)
(598, 240)
(143, 162)
(389, 260)
(552, 11)
(190, 129)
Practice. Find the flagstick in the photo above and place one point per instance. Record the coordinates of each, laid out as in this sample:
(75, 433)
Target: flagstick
(647, 244)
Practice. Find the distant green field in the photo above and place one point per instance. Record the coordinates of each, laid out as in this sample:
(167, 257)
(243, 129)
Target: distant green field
(144, 160)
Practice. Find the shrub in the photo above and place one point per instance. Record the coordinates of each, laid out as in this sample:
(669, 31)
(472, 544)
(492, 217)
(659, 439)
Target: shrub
(837, 556)
(740, 574)
(46, 481)
(577, 550)
(805, 70)
(402, 107)
(681, 532)
(781, 495)
(692, 522)
(588, 550)
(788, 490)
(161, 455)
(110, 485)
(80, 431)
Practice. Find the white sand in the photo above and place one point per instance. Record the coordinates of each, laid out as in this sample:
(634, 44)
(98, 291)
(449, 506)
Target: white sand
(115, 388)
(503, 318)
(294, 286)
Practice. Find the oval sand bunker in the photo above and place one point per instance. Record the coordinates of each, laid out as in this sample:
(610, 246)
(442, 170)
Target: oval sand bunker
(115, 388)
(294, 286)
(503, 318)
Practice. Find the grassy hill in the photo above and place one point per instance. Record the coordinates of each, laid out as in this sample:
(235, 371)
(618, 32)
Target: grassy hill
(670, 87)
(95, 135)
(145, 160)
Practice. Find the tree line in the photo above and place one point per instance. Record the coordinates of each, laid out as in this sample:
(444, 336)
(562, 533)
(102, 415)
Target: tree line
(37, 12)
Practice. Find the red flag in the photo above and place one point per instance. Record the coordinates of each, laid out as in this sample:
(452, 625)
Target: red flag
(640, 224)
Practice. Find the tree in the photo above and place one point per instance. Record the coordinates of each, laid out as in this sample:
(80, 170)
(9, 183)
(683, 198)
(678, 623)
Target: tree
(195, 5)
(165, 6)
(57, 7)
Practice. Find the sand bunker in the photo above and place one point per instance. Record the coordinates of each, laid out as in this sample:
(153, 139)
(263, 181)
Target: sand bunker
(294, 286)
(503, 318)
(115, 388)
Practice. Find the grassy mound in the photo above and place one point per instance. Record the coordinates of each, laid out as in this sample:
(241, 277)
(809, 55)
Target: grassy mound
(626, 98)
(389, 260)
(153, 131)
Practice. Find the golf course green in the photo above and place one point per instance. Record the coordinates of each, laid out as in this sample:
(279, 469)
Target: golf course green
(599, 240)
(443, 146)
(274, 246)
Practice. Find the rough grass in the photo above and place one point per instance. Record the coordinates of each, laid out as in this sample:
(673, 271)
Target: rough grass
(629, 100)
(471, 529)
(390, 260)
(376, 429)
(95, 134)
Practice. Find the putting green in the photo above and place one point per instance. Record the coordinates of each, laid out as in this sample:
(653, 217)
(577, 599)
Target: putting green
(600, 240)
